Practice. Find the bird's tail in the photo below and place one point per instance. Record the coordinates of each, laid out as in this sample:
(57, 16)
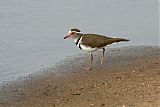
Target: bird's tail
(113, 40)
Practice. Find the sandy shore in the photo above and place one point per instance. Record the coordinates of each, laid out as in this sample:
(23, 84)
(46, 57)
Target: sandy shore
(130, 77)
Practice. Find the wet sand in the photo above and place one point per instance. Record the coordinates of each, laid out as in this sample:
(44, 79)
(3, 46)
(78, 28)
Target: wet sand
(130, 77)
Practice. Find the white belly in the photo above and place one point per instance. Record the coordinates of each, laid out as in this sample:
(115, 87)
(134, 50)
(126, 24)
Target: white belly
(88, 49)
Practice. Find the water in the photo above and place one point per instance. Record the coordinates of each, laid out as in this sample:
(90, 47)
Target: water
(32, 31)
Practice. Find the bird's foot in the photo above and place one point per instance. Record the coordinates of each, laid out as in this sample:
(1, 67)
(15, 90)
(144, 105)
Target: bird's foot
(89, 68)
(102, 62)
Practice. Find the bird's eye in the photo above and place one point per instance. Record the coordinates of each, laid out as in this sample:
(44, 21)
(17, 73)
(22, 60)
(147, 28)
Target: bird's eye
(73, 33)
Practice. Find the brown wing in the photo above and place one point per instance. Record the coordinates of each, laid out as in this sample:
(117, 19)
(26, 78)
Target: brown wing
(94, 40)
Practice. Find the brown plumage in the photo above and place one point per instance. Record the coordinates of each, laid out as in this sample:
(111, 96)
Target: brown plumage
(91, 42)
(98, 41)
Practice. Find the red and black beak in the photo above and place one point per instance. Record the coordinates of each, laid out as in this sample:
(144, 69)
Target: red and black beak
(67, 36)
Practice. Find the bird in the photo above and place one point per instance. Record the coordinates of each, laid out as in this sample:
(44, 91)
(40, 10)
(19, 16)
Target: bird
(91, 42)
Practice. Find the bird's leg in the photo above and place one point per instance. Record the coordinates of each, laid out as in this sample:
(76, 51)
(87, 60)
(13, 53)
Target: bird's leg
(89, 68)
(102, 57)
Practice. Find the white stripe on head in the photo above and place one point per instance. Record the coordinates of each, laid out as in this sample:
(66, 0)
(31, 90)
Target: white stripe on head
(73, 31)
(69, 32)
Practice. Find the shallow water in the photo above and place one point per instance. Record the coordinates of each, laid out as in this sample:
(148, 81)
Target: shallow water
(32, 31)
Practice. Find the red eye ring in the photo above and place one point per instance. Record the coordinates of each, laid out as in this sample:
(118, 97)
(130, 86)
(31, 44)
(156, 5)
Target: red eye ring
(73, 33)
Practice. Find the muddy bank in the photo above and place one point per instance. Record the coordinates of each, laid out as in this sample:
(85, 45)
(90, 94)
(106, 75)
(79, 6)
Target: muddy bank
(130, 77)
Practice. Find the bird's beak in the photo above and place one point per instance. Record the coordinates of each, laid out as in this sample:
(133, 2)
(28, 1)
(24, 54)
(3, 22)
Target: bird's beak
(67, 36)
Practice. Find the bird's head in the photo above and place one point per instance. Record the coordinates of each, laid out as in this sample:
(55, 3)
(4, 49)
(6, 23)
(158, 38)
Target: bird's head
(73, 33)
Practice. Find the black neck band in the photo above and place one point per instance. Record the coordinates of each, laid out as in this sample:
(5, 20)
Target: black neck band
(78, 40)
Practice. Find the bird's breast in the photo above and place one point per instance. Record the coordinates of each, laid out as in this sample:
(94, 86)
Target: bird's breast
(87, 48)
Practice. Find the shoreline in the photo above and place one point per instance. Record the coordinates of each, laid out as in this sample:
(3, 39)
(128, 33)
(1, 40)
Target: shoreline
(130, 77)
